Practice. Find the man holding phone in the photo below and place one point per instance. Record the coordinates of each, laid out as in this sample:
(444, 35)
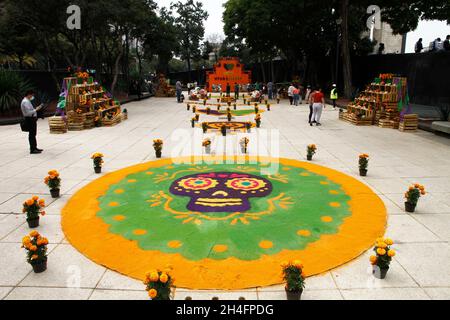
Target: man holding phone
(30, 115)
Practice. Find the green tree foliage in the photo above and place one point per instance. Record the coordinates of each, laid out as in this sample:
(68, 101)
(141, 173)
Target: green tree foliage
(190, 25)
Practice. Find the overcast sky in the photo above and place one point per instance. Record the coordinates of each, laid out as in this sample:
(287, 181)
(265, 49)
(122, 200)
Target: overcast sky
(428, 30)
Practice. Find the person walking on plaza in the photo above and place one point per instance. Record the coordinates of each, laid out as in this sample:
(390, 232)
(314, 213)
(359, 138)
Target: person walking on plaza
(291, 94)
(310, 102)
(447, 43)
(270, 89)
(419, 46)
(318, 99)
(334, 95)
(30, 116)
(228, 90)
(296, 94)
(179, 90)
(237, 88)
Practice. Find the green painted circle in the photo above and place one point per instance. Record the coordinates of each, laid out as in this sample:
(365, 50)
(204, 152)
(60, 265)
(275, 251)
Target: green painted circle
(309, 207)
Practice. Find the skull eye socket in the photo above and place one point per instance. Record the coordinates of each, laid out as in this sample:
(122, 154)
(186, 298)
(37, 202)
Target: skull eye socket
(246, 184)
(198, 183)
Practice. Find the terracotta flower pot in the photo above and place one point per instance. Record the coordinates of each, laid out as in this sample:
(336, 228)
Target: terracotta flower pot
(410, 207)
(55, 193)
(98, 170)
(39, 266)
(294, 295)
(380, 273)
(363, 172)
(33, 223)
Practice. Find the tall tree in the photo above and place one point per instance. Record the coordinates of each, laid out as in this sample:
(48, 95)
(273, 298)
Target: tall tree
(190, 24)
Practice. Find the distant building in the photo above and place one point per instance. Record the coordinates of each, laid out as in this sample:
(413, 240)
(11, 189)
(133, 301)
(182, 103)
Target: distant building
(392, 43)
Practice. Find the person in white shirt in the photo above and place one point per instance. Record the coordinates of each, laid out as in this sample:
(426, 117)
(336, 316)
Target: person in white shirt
(30, 116)
(291, 94)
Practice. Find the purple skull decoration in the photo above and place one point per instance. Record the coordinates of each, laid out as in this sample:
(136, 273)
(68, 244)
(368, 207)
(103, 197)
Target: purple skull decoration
(221, 192)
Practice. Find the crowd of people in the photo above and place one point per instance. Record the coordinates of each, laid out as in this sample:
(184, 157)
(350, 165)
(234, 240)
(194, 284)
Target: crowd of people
(436, 46)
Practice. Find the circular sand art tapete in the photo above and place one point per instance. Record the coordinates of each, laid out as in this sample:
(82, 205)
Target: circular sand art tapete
(223, 226)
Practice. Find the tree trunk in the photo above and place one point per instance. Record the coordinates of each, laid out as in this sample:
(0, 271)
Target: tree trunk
(116, 68)
(346, 61)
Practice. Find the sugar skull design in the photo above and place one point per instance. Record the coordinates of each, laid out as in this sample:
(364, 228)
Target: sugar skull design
(221, 192)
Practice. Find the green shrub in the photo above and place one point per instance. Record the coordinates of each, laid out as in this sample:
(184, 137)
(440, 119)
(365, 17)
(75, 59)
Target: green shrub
(12, 90)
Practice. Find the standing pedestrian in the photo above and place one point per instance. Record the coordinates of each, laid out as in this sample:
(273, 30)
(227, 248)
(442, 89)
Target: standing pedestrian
(30, 115)
(270, 89)
(228, 89)
(447, 43)
(291, 94)
(296, 94)
(179, 89)
(318, 104)
(334, 95)
(237, 88)
(419, 46)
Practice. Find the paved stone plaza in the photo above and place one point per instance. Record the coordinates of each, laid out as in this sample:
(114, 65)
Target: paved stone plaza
(421, 269)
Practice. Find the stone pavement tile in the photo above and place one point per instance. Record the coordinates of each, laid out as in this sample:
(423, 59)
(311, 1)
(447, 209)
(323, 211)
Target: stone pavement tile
(38, 294)
(389, 185)
(438, 184)
(391, 207)
(438, 223)
(42, 188)
(66, 268)
(114, 281)
(13, 264)
(4, 292)
(11, 222)
(15, 204)
(181, 294)
(427, 263)
(100, 295)
(49, 227)
(56, 207)
(6, 196)
(438, 293)
(358, 275)
(16, 185)
(431, 203)
(307, 295)
(404, 228)
(385, 294)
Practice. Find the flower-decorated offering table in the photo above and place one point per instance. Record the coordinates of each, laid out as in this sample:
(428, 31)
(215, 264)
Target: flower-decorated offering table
(87, 104)
(379, 104)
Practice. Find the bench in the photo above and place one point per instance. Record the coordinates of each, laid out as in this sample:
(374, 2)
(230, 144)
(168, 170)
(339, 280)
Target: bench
(441, 126)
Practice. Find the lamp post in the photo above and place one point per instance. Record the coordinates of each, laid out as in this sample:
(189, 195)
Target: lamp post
(338, 24)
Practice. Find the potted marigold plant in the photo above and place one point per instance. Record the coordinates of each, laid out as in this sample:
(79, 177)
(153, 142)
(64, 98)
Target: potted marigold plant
(294, 277)
(204, 102)
(194, 109)
(268, 107)
(207, 145)
(197, 117)
(229, 116)
(258, 120)
(33, 208)
(382, 258)
(36, 247)
(53, 181)
(159, 285)
(97, 158)
(204, 127)
(412, 197)
(223, 129)
(244, 144)
(188, 107)
(363, 164)
(311, 151)
(193, 122)
(218, 107)
(235, 106)
(245, 101)
(158, 145)
(256, 109)
(208, 111)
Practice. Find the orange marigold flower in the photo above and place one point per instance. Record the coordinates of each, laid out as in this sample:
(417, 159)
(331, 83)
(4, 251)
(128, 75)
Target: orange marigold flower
(381, 251)
(154, 277)
(164, 278)
(391, 253)
(34, 257)
(29, 202)
(35, 198)
(33, 248)
(152, 293)
(34, 234)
